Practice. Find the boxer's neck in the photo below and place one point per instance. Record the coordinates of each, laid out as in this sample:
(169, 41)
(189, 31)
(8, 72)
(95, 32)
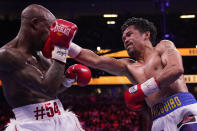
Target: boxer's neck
(25, 43)
(145, 52)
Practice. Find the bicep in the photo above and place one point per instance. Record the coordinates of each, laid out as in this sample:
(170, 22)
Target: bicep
(108, 64)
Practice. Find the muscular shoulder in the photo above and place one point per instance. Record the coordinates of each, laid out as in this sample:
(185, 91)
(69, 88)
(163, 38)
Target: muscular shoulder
(8, 58)
(5, 53)
(164, 45)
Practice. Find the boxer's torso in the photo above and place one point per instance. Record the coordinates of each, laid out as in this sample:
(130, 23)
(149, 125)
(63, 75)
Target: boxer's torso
(140, 72)
(18, 80)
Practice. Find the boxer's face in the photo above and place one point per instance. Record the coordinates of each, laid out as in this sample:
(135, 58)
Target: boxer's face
(45, 29)
(133, 40)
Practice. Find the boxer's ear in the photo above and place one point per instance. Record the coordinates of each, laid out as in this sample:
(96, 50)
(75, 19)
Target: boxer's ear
(147, 35)
(34, 23)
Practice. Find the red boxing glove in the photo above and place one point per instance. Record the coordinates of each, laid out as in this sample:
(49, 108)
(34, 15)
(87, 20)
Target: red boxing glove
(61, 34)
(135, 95)
(79, 73)
(48, 48)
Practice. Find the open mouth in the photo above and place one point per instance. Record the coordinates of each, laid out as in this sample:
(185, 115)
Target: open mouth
(129, 45)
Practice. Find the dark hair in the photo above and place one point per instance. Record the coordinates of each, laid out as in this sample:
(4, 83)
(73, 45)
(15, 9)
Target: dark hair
(142, 25)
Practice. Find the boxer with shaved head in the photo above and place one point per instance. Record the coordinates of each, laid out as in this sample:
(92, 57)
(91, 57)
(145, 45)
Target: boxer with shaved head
(30, 81)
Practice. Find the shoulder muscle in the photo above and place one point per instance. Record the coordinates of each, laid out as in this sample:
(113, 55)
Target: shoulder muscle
(166, 46)
(7, 60)
(169, 54)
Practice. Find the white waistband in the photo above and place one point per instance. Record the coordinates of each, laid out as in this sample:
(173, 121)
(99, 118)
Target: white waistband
(39, 111)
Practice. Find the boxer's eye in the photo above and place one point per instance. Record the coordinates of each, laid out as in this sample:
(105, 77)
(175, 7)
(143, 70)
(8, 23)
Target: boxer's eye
(123, 39)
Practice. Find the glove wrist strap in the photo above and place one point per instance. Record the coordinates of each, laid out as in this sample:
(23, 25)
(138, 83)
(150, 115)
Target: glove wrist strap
(149, 86)
(60, 53)
(74, 50)
(68, 82)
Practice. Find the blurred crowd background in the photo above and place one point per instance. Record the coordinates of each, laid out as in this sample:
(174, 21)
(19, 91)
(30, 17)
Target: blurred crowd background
(101, 107)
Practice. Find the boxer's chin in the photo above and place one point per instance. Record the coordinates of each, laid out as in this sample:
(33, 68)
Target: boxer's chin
(131, 53)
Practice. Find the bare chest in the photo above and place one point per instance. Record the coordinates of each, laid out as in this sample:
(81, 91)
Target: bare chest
(16, 83)
(34, 65)
(143, 71)
(29, 70)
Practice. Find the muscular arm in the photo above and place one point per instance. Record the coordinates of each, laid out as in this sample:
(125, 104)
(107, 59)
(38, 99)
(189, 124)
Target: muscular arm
(108, 64)
(54, 75)
(45, 62)
(53, 78)
(172, 61)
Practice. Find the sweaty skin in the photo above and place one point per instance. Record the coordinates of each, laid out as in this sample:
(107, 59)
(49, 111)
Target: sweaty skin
(26, 75)
(163, 62)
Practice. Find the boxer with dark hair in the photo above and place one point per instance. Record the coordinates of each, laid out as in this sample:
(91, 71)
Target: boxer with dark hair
(31, 82)
(156, 72)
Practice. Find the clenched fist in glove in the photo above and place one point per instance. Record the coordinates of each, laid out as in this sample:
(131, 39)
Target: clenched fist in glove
(77, 73)
(61, 34)
(135, 95)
